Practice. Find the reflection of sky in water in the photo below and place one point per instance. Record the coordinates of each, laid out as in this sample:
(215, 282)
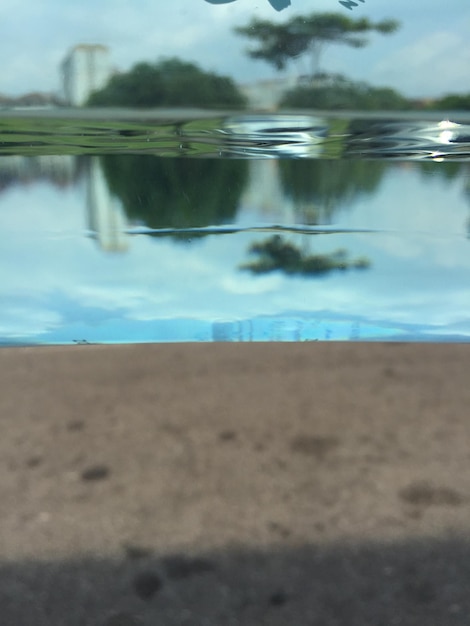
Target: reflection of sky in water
(58, 285)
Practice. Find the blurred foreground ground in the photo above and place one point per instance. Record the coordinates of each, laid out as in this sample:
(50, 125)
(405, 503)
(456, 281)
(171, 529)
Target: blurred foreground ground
(283, 484)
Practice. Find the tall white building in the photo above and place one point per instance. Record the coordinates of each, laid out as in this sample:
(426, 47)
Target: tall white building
(85, 69)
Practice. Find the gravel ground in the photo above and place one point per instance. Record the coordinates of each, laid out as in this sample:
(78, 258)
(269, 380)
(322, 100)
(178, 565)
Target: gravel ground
(279, 484)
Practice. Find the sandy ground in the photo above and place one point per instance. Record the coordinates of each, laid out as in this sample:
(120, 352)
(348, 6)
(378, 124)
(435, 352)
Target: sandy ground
(301, 485)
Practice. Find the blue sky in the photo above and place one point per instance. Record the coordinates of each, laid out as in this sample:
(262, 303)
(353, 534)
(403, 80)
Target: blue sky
(429, 56)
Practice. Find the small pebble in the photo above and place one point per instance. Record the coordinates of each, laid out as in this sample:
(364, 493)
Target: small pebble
(146, 585)
(95, 472)
(34, 461)
(278, 598)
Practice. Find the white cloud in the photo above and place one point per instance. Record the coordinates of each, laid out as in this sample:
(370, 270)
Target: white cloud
(36, 36)
(434, 64)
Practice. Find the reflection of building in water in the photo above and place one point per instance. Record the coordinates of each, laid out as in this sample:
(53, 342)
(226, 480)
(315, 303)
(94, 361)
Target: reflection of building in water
(85, 69)
(60, 170)
(106, 217)
(271, 329)
(264, 199)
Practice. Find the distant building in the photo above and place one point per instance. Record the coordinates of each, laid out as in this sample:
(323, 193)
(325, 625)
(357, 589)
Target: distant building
(37, 100)
(265, 94)
(85, 69)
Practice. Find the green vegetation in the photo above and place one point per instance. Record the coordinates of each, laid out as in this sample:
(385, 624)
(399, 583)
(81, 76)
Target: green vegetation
(278, 44)
(318, 187)
(276, 254)
(176, 192)
(170, 82)
(448, 170)
(452, 102)
(339, 93)
(306, 37)
(160, 132)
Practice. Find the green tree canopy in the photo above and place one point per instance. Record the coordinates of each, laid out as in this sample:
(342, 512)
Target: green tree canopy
(277, 254)
(320, 187)
(452, 102)
(338, 93)
(278, 44)
(176, 193)
(170, 82)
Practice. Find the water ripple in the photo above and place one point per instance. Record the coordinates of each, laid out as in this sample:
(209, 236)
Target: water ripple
(205, 134)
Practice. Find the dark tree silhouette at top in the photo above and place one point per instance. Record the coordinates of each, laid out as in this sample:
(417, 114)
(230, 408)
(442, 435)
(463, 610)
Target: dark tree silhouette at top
(278, 44)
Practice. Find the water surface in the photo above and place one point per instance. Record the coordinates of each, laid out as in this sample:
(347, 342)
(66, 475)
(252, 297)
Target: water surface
(290, 227)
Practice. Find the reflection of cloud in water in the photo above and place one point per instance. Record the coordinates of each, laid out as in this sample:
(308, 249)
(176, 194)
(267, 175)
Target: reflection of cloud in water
(418, 273)
(239, 284)
(28, 321)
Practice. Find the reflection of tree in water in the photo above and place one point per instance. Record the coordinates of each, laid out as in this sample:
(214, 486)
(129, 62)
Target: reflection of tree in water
(318, 188)
(176, 192)
(276, 254)
(449, 171)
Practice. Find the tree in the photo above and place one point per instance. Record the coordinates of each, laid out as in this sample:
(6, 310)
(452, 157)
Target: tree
(170, 82)
(308, 35)
(319, 187)
(337, 92)
(276, 254)
(176, 193)
(452, 102)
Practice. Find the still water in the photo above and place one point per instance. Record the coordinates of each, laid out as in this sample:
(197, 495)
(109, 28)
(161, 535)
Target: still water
(129, 227)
